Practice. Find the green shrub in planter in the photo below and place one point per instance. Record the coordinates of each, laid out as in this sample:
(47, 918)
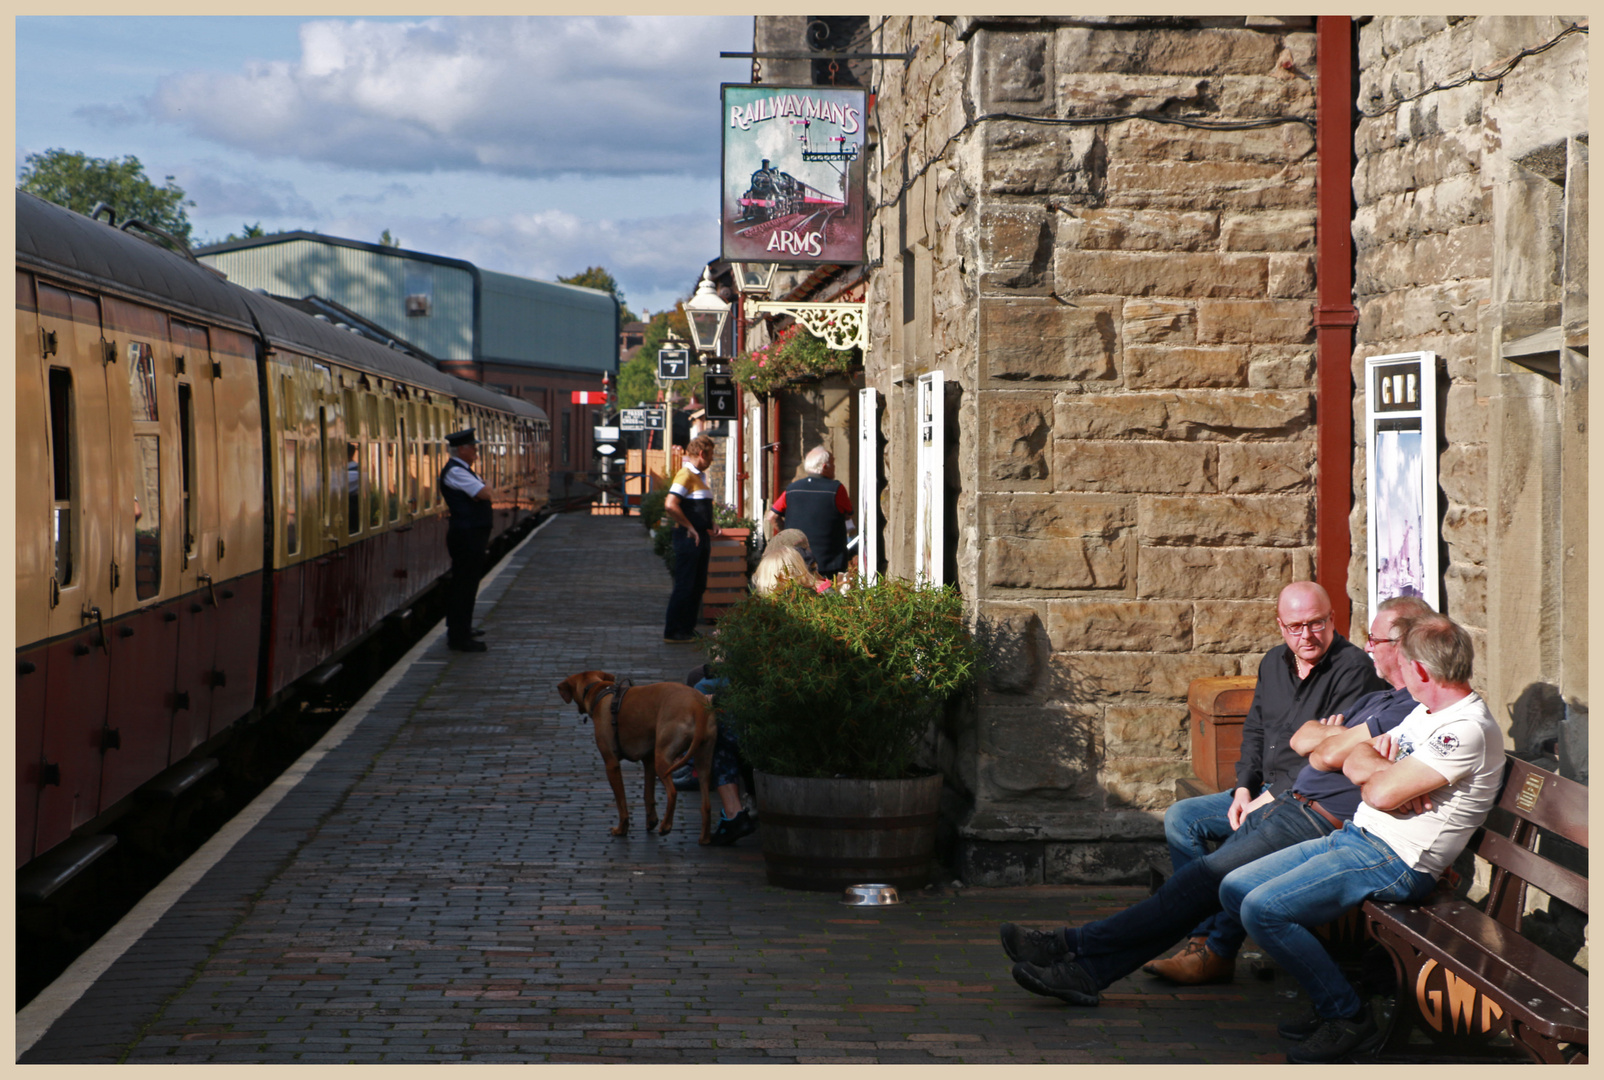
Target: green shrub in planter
(843, 684)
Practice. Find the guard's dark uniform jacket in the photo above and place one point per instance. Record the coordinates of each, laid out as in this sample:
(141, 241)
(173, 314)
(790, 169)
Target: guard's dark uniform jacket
(467, 539)
(466, 512)
(810, 506)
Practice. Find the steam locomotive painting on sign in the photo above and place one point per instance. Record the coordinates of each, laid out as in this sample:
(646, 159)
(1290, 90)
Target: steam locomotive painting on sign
(792, 183)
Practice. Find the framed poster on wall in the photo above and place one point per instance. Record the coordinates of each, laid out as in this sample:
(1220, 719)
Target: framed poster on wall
(793, 174)
(1401, 479)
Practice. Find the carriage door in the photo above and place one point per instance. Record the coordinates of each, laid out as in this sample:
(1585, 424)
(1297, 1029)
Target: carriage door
(66, 769)
(148, 504)
(200, 618)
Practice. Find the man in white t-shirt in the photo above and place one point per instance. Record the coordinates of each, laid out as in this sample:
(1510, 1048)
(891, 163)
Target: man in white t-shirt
(1425, 785)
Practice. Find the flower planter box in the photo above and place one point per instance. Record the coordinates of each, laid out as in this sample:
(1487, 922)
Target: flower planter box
(726, 572)
(826, 834)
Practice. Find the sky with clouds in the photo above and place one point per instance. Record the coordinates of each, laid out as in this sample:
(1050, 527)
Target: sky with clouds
(537, 145)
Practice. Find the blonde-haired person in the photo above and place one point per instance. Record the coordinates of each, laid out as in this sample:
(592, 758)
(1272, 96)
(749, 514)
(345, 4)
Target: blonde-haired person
(780, 564)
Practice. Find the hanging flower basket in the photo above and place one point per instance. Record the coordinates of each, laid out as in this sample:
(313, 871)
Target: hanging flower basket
(795, 356)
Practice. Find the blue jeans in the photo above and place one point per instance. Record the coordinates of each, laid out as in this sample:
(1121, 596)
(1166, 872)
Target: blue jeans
(1191, 828)
(1112, 948)
(1279, 897)
(726, 748)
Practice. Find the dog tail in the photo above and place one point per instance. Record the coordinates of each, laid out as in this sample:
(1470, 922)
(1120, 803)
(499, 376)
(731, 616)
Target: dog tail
(699, 735)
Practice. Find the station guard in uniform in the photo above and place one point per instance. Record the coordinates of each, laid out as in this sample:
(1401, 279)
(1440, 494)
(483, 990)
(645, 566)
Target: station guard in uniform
(467, 538)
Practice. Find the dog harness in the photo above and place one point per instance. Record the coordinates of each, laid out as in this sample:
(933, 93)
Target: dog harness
(617, 690)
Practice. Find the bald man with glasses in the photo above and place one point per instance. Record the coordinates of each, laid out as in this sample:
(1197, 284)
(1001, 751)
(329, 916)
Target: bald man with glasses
(1315, 672)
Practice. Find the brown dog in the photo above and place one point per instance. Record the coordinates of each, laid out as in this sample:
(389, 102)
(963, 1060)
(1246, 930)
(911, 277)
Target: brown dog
(661, 725)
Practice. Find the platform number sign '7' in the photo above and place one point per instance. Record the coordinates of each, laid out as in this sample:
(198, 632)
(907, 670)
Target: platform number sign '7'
(673, 363)
(720, 397)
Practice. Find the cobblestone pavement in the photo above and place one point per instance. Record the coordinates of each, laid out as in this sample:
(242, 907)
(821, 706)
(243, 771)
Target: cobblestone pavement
(442, 887)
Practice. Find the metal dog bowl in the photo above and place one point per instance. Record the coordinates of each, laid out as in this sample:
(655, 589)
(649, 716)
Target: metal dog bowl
(870, 896)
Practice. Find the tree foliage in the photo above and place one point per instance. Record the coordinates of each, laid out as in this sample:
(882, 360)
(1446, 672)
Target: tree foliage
(637, 378)
(386, 240)
(597, 277)
(72, 179)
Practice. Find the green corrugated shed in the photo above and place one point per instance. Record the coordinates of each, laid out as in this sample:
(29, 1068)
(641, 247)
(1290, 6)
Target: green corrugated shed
(519, 320)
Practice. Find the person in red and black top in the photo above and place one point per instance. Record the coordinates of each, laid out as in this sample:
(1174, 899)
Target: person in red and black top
(818, 505)
(467, 537)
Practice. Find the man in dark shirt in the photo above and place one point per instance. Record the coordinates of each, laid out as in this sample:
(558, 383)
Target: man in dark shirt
(1315, 672)
(1074, 963)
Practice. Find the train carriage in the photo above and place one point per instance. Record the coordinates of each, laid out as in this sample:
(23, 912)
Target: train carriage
(216, 495)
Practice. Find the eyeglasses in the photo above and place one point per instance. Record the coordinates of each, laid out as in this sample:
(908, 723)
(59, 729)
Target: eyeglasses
(1313, 626)
(1373, 641)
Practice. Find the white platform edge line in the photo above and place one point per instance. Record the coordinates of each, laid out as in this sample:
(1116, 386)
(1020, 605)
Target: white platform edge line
(36, 1018)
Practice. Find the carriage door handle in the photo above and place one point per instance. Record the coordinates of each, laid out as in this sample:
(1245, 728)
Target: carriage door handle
(100, 624)
(207, 578)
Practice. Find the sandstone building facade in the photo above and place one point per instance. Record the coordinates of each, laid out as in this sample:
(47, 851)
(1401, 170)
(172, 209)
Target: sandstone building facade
(1107, 234)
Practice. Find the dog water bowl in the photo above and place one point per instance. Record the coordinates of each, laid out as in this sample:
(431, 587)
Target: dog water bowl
(870, 895)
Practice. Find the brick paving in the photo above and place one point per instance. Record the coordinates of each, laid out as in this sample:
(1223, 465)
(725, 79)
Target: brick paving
(442, 887)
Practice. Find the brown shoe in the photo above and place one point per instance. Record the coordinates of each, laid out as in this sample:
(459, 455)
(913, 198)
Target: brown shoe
(1195, 965)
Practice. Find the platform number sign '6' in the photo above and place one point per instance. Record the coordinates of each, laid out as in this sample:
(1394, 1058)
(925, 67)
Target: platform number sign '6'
(673, 363)
(720, 397)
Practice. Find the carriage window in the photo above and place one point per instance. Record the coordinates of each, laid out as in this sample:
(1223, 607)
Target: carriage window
(147, 516)
(292, 496)
(353, 489)
(392, 483)
(375, 470)
(186, 468)
(142, 380)
(61, 446)
(328, 478)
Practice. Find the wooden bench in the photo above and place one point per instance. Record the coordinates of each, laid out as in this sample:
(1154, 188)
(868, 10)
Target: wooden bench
(1466, 975)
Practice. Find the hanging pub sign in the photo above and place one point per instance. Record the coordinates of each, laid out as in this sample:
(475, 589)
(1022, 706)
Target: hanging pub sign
(793, 176)
(1401, 477)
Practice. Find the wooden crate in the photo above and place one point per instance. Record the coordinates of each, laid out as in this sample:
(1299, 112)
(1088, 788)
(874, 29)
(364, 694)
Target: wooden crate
(1216, 707)
(726, 573)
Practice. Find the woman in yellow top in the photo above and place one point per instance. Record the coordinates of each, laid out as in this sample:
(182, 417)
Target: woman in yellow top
(690, 505)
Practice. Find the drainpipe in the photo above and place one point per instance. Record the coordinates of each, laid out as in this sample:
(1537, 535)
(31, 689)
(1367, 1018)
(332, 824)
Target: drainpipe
(1335, 316)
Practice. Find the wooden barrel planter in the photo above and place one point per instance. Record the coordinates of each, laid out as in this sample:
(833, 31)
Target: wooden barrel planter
(827, 834)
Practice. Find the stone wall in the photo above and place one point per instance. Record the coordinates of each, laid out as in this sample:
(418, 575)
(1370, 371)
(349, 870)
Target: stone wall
(1470, 241)
(1125, 309)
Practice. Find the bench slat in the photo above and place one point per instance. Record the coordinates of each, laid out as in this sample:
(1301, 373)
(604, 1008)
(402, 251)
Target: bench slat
(1555, 880)
(1548, 801)
(1564, 1010)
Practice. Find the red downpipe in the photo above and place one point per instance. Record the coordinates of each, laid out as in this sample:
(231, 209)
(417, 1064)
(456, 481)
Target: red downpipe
(1335, 316)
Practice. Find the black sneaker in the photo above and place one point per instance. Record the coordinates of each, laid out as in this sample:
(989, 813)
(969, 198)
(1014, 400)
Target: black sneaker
(1065, 980)
(1337, 1040)
(470, 645)
(732, 829)
(1043, 948)
(1301, 1028)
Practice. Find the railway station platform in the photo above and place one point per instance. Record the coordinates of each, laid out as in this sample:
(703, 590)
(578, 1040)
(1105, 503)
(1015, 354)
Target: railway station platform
(435, 882)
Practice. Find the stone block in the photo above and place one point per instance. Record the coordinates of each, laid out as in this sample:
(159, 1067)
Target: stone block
(1159, 322)
(1226, 520)
(1034, 341)
(1029, 159)
(1145, 731)
(1016, 243)
(1265, 468)
(1214, 573)
(1150, 367)
(1055, 542)
(1015, 69)
(1465, 418)
(997, 864)
(1013, 636)
(1209, 185)
(1264, 95)
(1291, 276)
(1144, 140)
(1025, 751)
(1120, 273)
(1125, 466)
(1143, 783)
(1119, 626)
(1018, 438)
(1280, 368)
(1464, 528)
(1103, 863)
(1137, 230)
(1449, 308)
(1462, 473)
(1098, 93)
(1166, 676)
(1188, 415)
(1276, 230)
(1236, 626)
(1465, 589)
(1214, 52)
(1271, 321)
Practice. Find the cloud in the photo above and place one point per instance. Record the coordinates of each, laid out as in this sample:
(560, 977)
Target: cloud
(220, 189)
(531, 96)
(373, 198)
(107, 116)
